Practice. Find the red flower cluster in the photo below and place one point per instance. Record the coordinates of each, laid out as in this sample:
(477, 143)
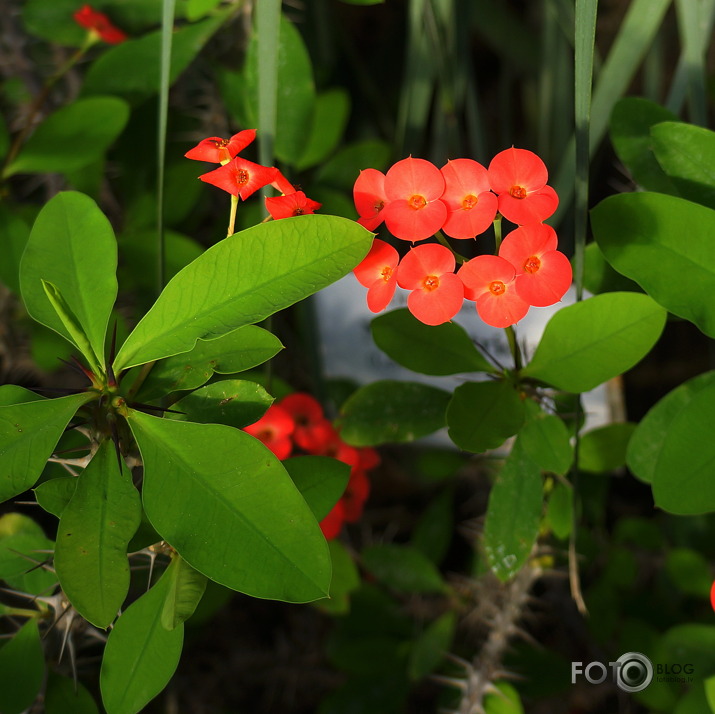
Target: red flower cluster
(241, 177)
(99, 24)
(297, 422)
(415, 199)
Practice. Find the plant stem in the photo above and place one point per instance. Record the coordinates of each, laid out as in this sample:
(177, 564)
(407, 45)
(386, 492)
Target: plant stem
(514, 346)
(441, 238)
(497, 233)
(232, 218)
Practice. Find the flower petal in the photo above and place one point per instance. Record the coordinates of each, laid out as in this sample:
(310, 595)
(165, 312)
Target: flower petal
(441, 304)
(517, 167)
(423, 261)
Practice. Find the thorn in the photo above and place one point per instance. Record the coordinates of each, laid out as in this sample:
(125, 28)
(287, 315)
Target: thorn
(458, 660)
(73, 366)
(115, 439)
(112, 350)
(450, 681)
(86, 372)
(151, 407)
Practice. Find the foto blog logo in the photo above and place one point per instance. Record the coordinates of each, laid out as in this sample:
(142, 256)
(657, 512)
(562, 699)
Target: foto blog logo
(631, 672)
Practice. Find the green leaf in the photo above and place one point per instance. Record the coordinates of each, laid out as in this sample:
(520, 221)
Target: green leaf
(234, 402)
(14, 233)
(483, 415)
(73, 137)
(392, 412)
(321, 481)
(604, 449)
(430, 646)
(689, 572)
(504, 701)
(600, 277)
(682, 477)
(92, 537)
(439, 350)
(295, 91)
(131, 69)
(53, 21)
(403, 568)
(12, 394)
(631, 121)
(186, 588)
(55, 494)
(546, 441)
(330, 116)
(513, 514)
(595, 340)
(72, 246)
(559, 515)
(23, 544)
(28, 435)
(141, 654)
(65, 696)
(647, 440)
(342, 169)
(345, 580)
(687, 155)
(710, 692)
(208, 487)
(196, 9)
(243, 279)
(641, 235)
(237, 351)
(433, 533)
(22, 669)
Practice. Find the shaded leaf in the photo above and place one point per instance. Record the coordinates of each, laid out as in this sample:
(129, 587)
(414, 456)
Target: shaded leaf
(186, 588)
(321, 481)
(22, 669)
(604, 449)
(403, 568)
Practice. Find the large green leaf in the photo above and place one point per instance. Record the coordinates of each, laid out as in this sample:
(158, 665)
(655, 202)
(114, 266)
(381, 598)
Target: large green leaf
(438, 350)
(295, 92)
(141, 654)
(72, 246)
(22, 669)
(28, 434)
(64, 696)
(631, 121)
(546, 440)
(390, 411)
(682, 476)
(131, 69)
(234, 402)
(321, 481)
(236, 351)
(595, 340)
(243, 279)
(641, 235)
(330, 115)
(648, 438)
(513, 514)
(23, 544)
(72, 137)
(95, 528)
(483, 415)
(687, 154)
(229, 508)
(604, 449)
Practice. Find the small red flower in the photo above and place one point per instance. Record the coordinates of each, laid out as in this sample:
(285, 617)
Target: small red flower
(221, 151)
(472, 206)
(490, 281)
(369, 197)
(99, 24)
(378, 273)
(414, 211)
(292, 204)
(274, 429)
(519, 177)
(543, 274)
(312, 429)
(437, 293)
(240, 177)
(282, 184)
(712, 596)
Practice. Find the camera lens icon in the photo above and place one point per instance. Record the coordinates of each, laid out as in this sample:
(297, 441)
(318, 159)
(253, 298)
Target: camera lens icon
(634, 672)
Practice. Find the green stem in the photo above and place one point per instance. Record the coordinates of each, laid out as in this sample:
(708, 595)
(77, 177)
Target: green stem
(443, 240)
(497, 233)
(513, 346)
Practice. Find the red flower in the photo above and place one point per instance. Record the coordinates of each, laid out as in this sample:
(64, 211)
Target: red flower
(356, 493)
(292, 204)
(437, 293)
(221, 151)
(519, 178)
(489, 280)
(274, 429)
(378, 273)
(472, 206)
(240, 177)
(332, 524)
(543, 274)
(369, 197)
(282, 184)
(312, 429)
(99, 24)
(414, 211)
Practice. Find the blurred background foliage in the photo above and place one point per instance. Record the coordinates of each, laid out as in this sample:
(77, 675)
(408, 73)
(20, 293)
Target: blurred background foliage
(361, 85)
